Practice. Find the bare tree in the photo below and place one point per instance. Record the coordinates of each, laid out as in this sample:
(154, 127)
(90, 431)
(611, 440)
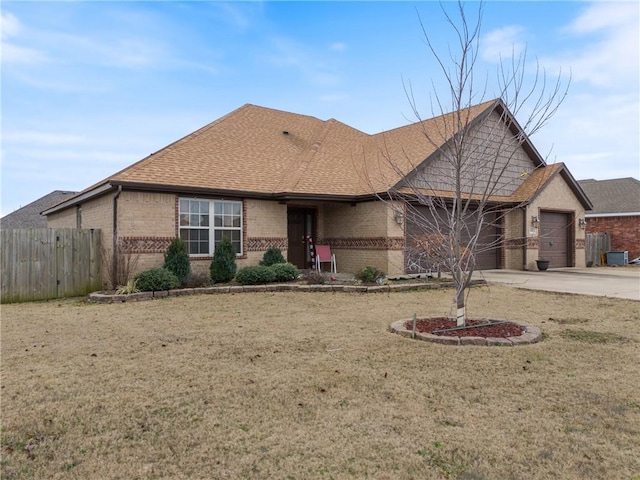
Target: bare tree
(478, 159)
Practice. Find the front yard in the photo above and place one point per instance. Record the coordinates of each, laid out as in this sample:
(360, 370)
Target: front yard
(312, 385)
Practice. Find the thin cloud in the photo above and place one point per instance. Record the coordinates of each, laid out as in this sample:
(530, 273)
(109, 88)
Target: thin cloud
(609, 49)
(12, 53)
(502, 43)
(9, 25)
(43, 138)
(290, 54)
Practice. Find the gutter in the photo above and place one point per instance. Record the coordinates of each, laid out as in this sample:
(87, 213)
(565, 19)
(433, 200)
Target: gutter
(525, 238)
(115, 235)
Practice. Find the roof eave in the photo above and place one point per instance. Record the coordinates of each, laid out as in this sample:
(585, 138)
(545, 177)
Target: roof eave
(612, 214)
(279, 196)
(77, 199)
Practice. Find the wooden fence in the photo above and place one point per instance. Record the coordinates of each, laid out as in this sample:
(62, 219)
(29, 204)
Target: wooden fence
(595, 245)
(42, 263)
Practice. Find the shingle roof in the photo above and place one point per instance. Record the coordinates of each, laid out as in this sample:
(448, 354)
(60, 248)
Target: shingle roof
(614, 196)
(265, 152)
(29, 215)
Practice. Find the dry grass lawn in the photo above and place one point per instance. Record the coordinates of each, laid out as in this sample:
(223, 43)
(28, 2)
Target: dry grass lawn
(312, 385)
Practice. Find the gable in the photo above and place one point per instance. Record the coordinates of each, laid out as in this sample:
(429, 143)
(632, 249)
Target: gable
(494, 162)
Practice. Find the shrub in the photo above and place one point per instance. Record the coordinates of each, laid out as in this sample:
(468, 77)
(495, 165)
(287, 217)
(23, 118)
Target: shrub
(176, 259)
(119, 266)
(314, 277)
(272, 256)
(223, 266)
(255, 275)
(370, 274)
(156, 279)
(196, 280)
(284, 272)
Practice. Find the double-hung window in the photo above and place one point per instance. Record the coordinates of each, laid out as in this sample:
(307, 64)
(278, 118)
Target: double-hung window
(203, 224)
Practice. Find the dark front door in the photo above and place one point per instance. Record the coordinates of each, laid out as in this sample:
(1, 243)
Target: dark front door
(301, 223)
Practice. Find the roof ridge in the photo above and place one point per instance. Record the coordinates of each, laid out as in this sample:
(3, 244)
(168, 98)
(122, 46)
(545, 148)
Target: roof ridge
(289, 182)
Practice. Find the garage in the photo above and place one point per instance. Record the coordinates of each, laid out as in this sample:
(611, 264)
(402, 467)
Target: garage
(418, 257)
(556, 238)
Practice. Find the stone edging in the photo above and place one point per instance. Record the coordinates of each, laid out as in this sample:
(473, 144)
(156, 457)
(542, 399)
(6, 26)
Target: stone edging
(532, 334)
(98, 297)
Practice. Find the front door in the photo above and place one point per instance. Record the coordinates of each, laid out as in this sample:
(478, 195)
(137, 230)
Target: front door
(301, 223)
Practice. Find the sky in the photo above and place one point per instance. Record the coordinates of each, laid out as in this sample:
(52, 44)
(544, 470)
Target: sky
(90, 87)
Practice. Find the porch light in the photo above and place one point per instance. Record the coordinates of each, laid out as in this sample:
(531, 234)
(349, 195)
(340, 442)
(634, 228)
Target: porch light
(582, 223)
(399, 218)
(534, 221)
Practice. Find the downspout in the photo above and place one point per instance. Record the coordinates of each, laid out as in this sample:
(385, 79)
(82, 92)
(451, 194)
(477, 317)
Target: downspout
(115, 235)
(525, 238)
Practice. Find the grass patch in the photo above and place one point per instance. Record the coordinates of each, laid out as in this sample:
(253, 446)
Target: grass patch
(589, 336)
(313, 385)
(450, 463)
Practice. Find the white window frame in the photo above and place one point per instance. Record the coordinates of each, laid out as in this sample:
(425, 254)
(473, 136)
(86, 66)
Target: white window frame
(232, 210)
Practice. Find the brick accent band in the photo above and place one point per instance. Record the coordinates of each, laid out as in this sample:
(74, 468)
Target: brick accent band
(367, 243)
(261, 244)
(145, 244)
(533, 242)
(514, 243)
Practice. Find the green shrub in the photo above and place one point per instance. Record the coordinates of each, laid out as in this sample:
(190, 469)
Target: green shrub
(370, 275)
(255, 275)
(156, 279)
(272, 256)
(176, 259)
(314, 277)
(284, 272)
(223, 266)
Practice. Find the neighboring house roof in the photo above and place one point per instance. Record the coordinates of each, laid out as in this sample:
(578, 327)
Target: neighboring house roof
(269, 153)
(29, 216)
(614, 197)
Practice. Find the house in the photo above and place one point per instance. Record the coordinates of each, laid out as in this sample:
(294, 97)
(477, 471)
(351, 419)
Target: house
(264, 177)
(616, 210)
(29, 216)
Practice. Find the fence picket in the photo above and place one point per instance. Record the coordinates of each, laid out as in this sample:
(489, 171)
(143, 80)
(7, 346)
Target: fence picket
(42, 263)
(595, 245)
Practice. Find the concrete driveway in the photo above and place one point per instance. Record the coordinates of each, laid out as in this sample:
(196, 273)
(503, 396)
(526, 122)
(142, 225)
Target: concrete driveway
(619, 282)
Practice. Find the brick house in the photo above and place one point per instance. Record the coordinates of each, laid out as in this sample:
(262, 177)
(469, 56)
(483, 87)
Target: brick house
(266, 177)
(616, 210)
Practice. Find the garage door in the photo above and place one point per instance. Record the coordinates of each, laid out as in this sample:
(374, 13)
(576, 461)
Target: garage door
(418, 258)
(554, 238)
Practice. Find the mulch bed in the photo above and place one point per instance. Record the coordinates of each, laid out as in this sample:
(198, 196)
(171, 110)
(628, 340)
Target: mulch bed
(501, 330)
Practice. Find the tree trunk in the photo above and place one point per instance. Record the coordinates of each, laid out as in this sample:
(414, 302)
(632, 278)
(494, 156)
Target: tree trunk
(461, 311)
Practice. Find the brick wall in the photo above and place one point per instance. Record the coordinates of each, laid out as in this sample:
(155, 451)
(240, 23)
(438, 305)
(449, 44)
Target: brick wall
(146, 214)
(513, 254)
(64, 219)
(364, 234)
(624, 231)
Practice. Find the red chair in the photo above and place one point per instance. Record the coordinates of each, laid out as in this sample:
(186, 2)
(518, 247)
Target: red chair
(324, 255)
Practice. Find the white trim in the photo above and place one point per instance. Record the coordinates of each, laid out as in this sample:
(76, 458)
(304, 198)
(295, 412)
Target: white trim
(600, 215)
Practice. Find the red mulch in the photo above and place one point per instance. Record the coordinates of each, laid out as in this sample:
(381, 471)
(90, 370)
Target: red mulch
(502, 330)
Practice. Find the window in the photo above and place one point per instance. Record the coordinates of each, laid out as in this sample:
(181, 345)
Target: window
(200, 233)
